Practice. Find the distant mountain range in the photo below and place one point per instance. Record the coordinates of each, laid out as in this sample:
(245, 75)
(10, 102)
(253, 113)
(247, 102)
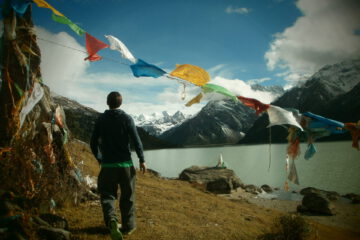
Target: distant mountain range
(332, 92)
(156, 124)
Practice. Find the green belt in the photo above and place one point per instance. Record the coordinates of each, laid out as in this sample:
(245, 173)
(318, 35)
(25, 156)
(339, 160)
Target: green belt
(118, 165)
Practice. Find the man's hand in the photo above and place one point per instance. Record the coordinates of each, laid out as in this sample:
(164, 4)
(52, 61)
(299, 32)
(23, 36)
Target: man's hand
(142, 167)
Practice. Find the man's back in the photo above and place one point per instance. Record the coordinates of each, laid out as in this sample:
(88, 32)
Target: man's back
(112, 133)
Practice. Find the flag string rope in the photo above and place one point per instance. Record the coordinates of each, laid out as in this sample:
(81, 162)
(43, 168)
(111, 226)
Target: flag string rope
(78, 50)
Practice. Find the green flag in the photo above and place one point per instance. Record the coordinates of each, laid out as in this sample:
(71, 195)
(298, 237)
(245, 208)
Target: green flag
(64, 20)
(209, 87)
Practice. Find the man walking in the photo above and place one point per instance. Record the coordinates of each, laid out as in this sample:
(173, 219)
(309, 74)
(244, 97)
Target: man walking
(110, 143)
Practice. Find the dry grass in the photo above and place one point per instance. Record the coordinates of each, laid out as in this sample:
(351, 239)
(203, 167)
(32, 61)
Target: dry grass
(172, 209)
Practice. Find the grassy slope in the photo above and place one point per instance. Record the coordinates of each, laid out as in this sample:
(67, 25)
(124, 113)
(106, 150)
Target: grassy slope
(172, 209)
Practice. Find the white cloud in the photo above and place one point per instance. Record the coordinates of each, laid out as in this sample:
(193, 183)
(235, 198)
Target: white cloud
(237, 10)
(258, 80)
(242, 88)
(324, 35)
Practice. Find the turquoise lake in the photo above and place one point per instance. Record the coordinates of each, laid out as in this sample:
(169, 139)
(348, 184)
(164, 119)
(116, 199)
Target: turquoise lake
(335, 166)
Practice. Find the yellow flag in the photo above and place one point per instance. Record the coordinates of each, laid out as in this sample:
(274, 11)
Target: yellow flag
(194, 100)
(44, 4)
(191, 73)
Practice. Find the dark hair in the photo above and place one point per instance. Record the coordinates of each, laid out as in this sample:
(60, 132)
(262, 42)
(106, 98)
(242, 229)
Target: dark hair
(114, 100)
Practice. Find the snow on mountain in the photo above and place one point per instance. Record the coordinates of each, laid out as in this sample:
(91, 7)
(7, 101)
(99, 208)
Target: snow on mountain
(155, 124)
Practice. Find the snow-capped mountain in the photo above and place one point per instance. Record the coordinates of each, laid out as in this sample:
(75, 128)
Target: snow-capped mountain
(155, 124)
(332, 92)
(219, 122)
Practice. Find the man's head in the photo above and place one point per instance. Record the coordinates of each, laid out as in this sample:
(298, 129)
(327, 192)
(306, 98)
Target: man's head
(114, 100)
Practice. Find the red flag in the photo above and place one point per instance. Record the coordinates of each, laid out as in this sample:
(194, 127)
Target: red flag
(94, 45)
(258, 106)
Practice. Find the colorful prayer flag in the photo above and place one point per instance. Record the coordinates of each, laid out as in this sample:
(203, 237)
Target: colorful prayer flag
(209, 87)
(191, 73)
(196, 99)
(116, 44)
(258, 106)
(143, 69)
(20, 6)
(64, 20)
(44, 4)
(280, 116)
(93, 45)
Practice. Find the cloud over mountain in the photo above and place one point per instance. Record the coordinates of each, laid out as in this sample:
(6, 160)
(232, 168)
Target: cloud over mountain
(325, 34)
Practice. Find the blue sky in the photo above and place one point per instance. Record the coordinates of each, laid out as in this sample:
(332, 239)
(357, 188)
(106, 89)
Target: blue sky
(274, 42)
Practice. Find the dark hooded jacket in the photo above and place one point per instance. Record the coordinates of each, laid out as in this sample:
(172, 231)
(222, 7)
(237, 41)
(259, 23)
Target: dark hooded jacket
(110, 140)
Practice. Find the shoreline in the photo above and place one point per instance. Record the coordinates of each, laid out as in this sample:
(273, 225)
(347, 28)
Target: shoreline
(347, 214)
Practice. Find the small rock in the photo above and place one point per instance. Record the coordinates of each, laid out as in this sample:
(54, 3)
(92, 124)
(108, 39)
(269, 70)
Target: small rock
(252, 189)
(266, 188)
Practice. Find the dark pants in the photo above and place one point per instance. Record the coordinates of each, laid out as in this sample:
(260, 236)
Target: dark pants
(108, 181)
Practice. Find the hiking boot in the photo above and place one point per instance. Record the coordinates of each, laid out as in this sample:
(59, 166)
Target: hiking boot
(128, 231)
(114, 230)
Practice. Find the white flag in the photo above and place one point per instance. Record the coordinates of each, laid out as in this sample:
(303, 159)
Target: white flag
(280, 116)
(116, 44)
(35, 97)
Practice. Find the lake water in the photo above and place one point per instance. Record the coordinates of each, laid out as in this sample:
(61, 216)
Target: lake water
(335, 166)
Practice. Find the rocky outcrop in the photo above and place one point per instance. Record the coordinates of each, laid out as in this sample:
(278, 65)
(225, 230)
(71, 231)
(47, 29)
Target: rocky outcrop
(331, 195)
(215, 180)
(315, 203)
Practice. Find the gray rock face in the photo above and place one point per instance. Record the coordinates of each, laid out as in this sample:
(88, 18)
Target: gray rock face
(219, 122)
(315, 203)
(216, 180)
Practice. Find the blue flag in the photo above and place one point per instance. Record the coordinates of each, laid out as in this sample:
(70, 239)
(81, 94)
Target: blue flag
(20, 6)
(143, 69)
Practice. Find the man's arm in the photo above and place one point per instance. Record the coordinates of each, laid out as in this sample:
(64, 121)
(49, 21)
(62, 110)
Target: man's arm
(137, 144)
(94, 141)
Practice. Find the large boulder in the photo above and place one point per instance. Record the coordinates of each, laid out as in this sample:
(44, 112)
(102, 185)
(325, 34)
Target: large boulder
(215, 180)
(331, 195)
(315, 203)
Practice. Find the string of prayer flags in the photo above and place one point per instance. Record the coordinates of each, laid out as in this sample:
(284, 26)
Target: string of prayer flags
(44, 4)
(93, 45)
(258, 106)
(191, 73)
(144, 69)
(280, 116)
(116, 44)
(64, 20)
